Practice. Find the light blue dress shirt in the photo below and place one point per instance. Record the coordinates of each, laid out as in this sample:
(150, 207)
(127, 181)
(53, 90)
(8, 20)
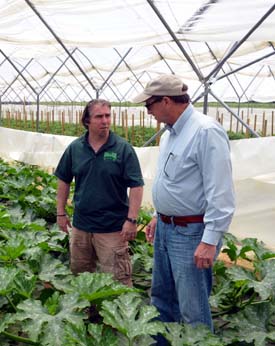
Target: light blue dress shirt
(194, 174)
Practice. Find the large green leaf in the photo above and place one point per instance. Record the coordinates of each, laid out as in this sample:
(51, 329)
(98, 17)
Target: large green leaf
(186, 335)
(253, 324)
(6, 321)
(12, 249)
(24, 285)
(95, 286)
(46, 324)
(130, 317)
(7, 276)
(99, 335)
(264, 286)
(51, 268)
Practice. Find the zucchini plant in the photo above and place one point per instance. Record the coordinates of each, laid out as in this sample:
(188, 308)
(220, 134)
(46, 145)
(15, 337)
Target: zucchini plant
(42, 303)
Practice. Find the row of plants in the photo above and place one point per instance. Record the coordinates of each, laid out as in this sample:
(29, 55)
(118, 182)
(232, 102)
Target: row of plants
(136, 135)
(42, 303)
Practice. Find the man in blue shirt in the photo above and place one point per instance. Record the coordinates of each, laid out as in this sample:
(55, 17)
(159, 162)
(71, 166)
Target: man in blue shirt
(194, 200)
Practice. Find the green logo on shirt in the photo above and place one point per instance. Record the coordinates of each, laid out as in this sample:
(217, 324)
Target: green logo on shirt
(108, 155)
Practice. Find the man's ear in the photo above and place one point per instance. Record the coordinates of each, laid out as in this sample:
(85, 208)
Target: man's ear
(166, 100)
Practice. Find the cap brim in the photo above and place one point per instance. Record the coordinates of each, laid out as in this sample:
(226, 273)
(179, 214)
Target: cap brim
(141, 98)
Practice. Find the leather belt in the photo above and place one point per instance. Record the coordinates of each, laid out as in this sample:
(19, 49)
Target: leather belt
(181, 220)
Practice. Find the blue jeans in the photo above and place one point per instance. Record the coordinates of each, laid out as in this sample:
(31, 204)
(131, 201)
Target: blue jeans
(180, 291)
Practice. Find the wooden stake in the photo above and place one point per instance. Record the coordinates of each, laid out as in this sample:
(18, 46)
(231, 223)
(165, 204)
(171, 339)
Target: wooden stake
(32, 119)
(133, 129)
(255, 122)
(126, 125)
(158, 138)
(114, 121)
(217, 115)
(143, 130)
(230, 123)
(63, 122)
(247, 131)
(265, 128)
(48, 122)
(122, 119)
(263, 123)
(272, 123)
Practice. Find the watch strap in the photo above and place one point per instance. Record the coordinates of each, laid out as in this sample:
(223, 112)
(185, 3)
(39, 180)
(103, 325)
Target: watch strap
(133, 221)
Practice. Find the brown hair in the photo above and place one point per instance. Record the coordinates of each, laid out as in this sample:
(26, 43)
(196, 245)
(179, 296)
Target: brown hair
(89, 108)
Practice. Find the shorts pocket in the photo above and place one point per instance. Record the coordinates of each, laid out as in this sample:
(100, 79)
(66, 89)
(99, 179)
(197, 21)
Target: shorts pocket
(122, 266)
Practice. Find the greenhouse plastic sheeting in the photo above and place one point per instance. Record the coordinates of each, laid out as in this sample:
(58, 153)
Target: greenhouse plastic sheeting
(253, 163)
(98, 34)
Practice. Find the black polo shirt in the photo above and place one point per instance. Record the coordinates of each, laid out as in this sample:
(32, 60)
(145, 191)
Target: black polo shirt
(101, 182)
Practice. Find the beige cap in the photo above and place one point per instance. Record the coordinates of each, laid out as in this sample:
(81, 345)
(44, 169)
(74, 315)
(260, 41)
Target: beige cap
(164, 85)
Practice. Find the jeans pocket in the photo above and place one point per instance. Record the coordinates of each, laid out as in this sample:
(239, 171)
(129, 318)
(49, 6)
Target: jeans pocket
(191, 230)
(122, 266)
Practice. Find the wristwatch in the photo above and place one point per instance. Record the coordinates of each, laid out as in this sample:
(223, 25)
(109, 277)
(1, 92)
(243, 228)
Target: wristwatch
(133, 221)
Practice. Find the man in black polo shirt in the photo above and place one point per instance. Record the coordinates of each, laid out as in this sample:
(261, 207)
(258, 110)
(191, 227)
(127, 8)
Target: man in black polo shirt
(103, 166)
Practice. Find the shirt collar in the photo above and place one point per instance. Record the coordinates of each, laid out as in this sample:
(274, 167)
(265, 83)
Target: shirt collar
(181, 121)
(110, 142)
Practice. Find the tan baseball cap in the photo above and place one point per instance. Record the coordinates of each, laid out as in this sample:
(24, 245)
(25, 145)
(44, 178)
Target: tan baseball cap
(163, 85)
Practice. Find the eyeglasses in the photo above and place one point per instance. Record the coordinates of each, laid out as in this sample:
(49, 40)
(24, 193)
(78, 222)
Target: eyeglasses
(148, 105)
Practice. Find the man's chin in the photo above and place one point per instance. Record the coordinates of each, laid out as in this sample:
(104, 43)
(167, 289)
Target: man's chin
(104, 132)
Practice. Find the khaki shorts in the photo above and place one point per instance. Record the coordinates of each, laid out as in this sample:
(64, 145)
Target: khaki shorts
(104, 251)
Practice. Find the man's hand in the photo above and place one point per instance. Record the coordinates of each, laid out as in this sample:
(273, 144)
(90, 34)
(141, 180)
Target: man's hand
(63, 223)
(150, 230)
(129, 231)
(204, 255)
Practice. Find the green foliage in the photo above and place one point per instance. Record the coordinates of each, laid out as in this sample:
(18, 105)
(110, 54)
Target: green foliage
(132, 319)
(185, 335)
(43, 304)
(93, 335)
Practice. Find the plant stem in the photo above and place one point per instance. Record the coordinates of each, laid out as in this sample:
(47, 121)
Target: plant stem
(11, 303)
(19, 338)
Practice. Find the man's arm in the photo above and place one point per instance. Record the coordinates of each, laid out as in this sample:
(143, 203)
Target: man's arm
(135, 199)
(63, 191)
(129, 230)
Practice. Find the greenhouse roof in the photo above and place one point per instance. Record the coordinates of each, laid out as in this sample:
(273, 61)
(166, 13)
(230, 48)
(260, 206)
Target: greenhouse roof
(73, 50)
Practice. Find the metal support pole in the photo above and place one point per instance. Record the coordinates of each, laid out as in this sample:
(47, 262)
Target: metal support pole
(129, 68)
(18, 71)
(214, 56)
(133, 85)
(172, 34)
(216, 70)
(100, 74)
(205, 99)
(246, 65)
(116, 67)
(166, 63)
(55, 73)
(82, 86)
(159, 133)
(235, 115)
(198, 97)
(252, 80)
(16, 77)
(59, 41)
